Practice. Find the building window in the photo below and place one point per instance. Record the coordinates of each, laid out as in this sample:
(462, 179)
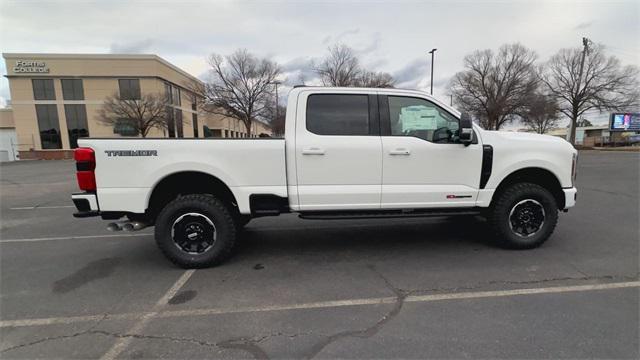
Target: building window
(178, 119)
(77, 127)
(175, 98)
(338, 114)
(194, 118)
(125, 127)
(172, 93)
(129, 89)
(72, 89)
(43, 89)
(171, 124)
(49, 126)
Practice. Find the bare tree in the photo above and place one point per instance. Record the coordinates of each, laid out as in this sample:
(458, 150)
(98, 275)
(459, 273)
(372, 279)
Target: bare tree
(495, 87)
(375, 79)
(240, 86)
(541, 114)
(142, 115)
(604, 85)
(341, 67)
(277, 118)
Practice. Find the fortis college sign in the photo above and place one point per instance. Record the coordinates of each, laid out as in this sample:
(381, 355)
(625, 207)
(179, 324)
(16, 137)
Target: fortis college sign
(30, 66)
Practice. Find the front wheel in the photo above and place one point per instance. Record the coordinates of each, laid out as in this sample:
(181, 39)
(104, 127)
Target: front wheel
(523, 216)
(195, 231)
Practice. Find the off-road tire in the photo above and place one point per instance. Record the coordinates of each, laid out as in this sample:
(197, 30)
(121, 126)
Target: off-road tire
(213, 209)
(499, 215)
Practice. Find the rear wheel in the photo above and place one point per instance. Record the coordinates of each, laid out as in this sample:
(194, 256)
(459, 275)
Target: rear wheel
(195, 231)
(523, 216)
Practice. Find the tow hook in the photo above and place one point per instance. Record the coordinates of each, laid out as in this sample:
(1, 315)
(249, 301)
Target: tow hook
(126, 226)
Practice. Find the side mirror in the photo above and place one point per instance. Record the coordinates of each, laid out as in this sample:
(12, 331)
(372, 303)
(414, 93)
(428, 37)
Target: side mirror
(466, 129)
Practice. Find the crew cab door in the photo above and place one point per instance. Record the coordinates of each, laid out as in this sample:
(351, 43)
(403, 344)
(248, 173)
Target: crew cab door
(338, 150)
(423, 164)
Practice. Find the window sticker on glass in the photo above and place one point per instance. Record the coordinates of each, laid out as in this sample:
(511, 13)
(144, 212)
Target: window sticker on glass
(418, 117)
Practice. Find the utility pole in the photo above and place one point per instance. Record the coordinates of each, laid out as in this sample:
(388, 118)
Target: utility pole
(432, 52)
(276, 83)
(585, 49)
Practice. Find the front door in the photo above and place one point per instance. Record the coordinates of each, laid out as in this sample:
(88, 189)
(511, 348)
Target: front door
(338, 151)
(423, 164)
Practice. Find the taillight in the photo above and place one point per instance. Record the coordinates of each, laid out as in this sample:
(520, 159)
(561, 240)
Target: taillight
(574, 169)
(85, 166)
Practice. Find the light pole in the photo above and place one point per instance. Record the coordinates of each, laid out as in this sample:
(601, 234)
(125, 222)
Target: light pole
(432, 52)
(276, 83)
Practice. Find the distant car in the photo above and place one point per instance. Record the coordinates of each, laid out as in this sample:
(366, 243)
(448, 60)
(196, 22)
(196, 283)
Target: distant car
(347, 153)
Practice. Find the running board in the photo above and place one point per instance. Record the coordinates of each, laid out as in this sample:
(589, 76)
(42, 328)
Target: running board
(385, 214)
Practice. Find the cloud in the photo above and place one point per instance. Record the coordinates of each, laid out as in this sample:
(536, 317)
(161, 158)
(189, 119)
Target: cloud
(410, 75)
(298, 70)
(373, 45)
(583, 25)
(329, 40)
(132, 47)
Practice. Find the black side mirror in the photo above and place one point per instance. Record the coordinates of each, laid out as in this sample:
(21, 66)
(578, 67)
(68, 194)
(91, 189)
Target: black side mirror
(466, 129)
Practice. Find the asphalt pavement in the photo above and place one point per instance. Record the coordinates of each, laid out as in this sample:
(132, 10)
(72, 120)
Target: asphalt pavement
(396, 288)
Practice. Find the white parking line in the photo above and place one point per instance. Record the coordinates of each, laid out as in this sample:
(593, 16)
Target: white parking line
(73, 237)
(41, 207)
(313, 305)
(123, 342)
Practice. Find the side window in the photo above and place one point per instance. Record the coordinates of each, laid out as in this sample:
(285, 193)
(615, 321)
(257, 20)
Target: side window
(338, 114)
(422, 119)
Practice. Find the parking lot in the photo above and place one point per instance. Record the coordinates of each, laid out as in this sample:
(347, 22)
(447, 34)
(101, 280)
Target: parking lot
(397, 288)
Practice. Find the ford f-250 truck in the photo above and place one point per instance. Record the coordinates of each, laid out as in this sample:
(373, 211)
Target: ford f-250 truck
(346, 153)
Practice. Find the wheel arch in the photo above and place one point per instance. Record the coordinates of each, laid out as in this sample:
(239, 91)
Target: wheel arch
(181, 183)
(534, 175)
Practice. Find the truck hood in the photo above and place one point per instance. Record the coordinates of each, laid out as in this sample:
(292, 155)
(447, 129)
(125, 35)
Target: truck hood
(522, 136)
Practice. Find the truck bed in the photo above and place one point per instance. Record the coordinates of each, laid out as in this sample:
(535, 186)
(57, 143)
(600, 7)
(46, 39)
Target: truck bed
(128, 169)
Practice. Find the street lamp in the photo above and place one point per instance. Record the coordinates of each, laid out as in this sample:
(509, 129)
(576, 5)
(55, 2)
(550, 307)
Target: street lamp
(276, 83)
(432, 52)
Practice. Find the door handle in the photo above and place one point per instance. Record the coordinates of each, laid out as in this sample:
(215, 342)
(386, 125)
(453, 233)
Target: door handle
(313, 151)
(400, 151)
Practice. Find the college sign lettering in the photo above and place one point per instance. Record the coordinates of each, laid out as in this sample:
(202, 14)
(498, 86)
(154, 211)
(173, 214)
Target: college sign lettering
(30, 66)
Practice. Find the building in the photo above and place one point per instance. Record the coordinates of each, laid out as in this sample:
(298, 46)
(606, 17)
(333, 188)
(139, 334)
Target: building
(596, 136)
(8, 141)
(56, 99)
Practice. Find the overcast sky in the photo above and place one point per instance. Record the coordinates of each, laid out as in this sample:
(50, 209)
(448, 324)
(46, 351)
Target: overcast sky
(391, 36)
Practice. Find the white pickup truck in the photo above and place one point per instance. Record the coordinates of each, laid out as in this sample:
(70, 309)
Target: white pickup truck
(347, 153)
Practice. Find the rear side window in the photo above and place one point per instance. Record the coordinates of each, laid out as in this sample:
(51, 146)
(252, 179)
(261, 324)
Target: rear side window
(338, 114)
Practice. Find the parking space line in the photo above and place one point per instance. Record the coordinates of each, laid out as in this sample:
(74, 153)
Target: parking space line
(41, 207)
(516, 292)
(158, 313)
(72, 238)
(123, 342)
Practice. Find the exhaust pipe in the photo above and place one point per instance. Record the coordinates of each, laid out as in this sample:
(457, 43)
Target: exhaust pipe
(127, 226)
(113, 227)
(134, 226)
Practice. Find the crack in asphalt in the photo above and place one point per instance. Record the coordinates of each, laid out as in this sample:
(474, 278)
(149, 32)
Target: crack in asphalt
(369, 331)
(53, 338)
(251, 345)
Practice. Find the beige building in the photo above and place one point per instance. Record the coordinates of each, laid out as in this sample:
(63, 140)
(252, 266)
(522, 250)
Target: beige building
(56, 99)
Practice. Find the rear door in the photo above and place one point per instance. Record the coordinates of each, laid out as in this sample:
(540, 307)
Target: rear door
(338, 151)
(423, 164)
